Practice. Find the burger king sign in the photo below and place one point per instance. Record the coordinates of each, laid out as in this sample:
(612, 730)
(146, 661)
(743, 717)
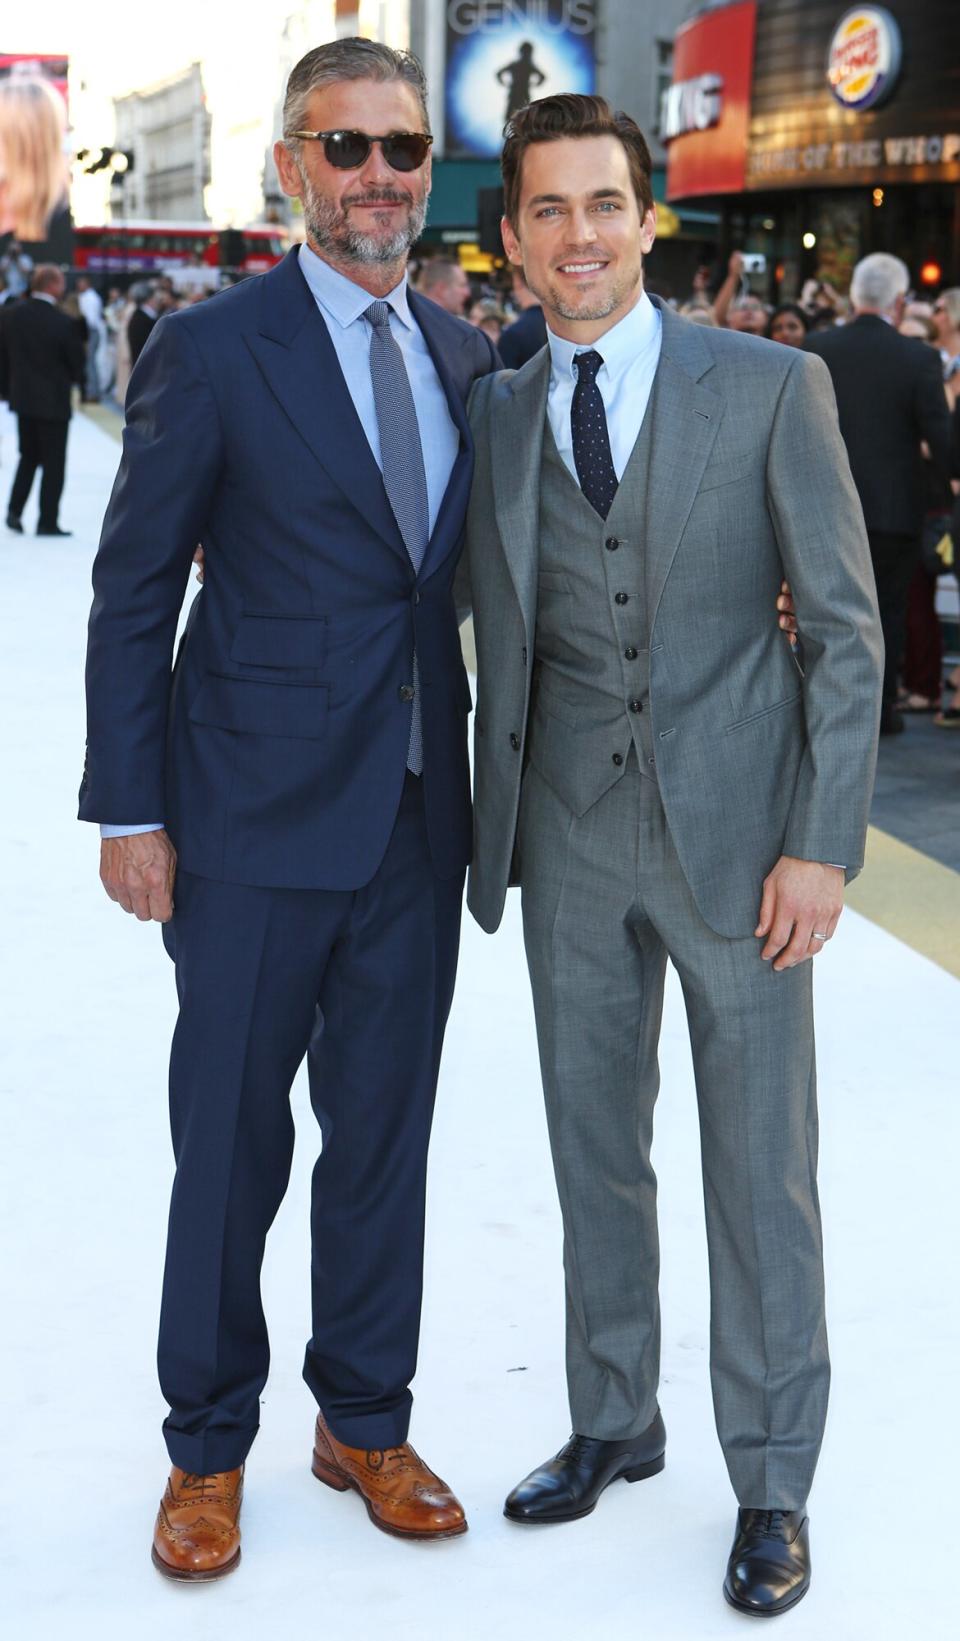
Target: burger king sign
(864, 57)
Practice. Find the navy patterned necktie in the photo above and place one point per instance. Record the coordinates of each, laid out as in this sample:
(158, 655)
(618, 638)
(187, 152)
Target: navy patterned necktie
(404, 477)
(591, 441)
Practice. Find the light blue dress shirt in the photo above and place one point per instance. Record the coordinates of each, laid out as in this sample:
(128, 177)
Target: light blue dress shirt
(631, 353)
(342, 305)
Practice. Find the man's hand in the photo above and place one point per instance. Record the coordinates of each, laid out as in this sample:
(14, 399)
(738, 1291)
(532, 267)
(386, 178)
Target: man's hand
(138, 872)
(199, 562)
(801, 906)
(788, 614)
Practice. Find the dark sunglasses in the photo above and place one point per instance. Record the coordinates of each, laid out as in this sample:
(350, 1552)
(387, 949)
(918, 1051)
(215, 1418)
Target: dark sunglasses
(402, 150)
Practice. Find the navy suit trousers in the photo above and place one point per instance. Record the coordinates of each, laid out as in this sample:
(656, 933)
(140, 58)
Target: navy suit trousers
(364, 979)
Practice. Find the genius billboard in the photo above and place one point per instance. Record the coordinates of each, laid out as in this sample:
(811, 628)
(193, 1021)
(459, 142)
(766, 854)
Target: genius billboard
(503, 53)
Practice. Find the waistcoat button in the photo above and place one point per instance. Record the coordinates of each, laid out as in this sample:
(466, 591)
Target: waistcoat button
(621, 598)
(630, 654)
(618, 758)
(636, 706)
(611, 544)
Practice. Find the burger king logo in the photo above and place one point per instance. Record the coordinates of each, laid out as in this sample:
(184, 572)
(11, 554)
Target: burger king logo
(864, 57)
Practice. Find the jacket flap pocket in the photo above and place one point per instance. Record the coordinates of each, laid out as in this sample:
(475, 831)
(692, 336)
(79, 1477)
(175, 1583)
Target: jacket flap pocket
(250, 707)
(280, 641)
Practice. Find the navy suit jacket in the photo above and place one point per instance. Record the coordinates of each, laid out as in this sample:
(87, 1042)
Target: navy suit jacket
(276, 752)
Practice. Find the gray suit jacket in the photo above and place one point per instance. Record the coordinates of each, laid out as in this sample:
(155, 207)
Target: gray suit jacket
(755, 757)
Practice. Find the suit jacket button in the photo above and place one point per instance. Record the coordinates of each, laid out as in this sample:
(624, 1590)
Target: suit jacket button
(636, 706)
(618, 758)
(406, 692)
(515, 742)
(621, 598)
(611, 544)
(630, 654)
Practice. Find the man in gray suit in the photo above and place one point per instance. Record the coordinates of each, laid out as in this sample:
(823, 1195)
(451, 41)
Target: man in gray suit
(663, 779)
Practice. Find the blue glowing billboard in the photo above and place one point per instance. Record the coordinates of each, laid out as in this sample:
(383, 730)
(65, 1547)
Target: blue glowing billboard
(502, 54)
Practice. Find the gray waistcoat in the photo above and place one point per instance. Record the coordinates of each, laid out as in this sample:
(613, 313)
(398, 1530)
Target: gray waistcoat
(591, 678)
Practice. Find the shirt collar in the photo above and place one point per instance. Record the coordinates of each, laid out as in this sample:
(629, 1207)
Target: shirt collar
(620, 346)
(44, 296)
(344, 301)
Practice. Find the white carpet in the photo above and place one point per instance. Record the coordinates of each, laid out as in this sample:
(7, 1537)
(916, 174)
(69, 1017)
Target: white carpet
(88, 1004)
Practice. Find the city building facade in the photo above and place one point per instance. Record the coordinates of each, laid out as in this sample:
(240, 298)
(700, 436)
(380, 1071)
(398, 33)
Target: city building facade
(820, 133)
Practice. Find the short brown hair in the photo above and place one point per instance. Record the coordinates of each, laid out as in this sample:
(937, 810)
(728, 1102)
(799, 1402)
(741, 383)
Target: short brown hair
(570, 115)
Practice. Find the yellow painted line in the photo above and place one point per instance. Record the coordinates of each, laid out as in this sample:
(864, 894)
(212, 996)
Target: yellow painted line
(911, 896)
(106, 419)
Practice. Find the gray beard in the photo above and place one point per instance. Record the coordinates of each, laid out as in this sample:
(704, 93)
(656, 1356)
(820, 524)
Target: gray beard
(331, 232)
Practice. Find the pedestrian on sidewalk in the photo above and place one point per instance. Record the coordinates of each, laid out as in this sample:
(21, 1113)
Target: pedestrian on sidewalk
(890, 400)
(41, 361)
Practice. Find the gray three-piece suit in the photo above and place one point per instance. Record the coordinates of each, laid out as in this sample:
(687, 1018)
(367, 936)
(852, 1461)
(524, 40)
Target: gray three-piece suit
(647, 746)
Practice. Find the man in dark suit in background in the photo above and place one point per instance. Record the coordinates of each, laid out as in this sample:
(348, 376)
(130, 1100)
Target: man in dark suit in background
(41, 360)
(890, 398)
(152, 302)
(528, 334)
(306, 778)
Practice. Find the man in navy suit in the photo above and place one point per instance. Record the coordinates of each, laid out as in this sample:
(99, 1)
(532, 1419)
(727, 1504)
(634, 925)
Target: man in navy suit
(308, 765)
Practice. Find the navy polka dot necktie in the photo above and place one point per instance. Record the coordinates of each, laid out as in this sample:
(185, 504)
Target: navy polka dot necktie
(591, 441)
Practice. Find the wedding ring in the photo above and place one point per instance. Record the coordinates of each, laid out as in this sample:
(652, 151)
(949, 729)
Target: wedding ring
(817, 936)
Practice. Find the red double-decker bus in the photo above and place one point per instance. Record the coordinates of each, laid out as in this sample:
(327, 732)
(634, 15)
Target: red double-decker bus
(161, 247)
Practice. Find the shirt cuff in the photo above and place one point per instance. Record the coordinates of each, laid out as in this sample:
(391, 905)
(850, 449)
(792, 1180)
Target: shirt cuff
(128, 831)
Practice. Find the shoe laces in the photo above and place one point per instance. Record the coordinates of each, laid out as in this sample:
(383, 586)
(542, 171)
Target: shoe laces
(576, 1447)
(769, 1524)
(192, 1483)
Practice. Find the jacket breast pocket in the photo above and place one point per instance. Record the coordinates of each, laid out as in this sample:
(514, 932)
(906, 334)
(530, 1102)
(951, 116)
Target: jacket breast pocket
(280, 641)
(248, 706)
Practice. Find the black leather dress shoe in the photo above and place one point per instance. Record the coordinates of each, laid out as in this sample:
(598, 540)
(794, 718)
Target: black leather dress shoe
(53, 530)
(569, 1485)
(13, 523)
(769, 1567)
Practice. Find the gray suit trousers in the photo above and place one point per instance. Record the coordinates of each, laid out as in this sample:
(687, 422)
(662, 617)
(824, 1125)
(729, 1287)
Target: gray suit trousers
(605, 903)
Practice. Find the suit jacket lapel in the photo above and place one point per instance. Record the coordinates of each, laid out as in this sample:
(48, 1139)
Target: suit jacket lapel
(455, 380)
(300, 365)
(685, 418)
(516, 449)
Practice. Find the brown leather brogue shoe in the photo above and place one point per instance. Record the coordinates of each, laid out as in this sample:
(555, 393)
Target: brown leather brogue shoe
(197, 1535)
(401, 1494)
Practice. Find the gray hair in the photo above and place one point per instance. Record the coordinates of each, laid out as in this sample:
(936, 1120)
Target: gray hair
(141, 291)
(436, 271)
(951, 301)
(350, 59)
(878, 280)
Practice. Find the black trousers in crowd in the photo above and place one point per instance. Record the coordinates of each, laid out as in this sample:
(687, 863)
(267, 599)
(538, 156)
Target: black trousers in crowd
(895, 558)
(43, 444)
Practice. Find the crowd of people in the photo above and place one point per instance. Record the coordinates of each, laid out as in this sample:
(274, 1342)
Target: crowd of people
(112, 327)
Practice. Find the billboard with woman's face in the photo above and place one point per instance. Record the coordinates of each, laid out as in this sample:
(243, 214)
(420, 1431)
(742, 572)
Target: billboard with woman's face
(502, 54)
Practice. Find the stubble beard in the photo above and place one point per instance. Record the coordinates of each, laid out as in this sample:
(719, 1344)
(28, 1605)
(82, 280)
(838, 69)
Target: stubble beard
(329, 228)
(599, 307)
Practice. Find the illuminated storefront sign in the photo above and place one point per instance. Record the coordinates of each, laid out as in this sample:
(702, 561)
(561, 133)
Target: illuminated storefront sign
(693, 105)
(864, 57)
(705, 113)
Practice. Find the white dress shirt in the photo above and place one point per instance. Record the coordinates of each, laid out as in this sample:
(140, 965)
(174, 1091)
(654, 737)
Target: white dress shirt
(342, 305)
(630, 353)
